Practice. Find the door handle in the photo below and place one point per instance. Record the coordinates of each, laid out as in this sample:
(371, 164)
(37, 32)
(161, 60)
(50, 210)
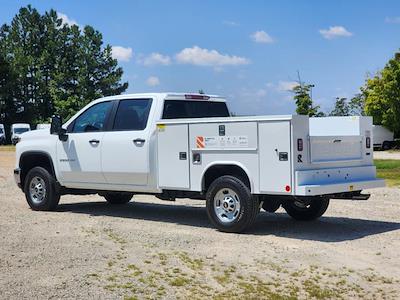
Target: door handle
(139, 142)
(94, 142)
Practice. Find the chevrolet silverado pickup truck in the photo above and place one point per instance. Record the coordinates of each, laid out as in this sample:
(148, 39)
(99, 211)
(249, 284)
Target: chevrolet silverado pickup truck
(176, 145)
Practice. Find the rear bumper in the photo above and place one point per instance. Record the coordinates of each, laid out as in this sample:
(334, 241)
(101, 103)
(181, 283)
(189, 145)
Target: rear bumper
(325, 189)
(336, 180)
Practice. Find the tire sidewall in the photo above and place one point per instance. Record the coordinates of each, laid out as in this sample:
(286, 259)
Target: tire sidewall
(317, 208)
(245, 197)
(51, 199)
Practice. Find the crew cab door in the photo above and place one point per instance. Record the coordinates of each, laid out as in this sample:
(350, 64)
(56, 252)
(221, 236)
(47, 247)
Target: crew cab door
(125, 150)
(79, 157)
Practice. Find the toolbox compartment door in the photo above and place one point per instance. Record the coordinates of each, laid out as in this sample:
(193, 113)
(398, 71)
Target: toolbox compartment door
(324, 149)
(173, 156)
(275, 157)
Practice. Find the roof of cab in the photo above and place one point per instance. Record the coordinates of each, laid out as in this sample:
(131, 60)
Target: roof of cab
(167, 95)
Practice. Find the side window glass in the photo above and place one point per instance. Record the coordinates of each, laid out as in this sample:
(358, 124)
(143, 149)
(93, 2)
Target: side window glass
(93, 119)
(132, 114)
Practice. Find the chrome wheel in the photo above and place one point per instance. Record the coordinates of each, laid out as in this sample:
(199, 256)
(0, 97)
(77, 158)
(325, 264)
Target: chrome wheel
(37, 190)
(226, 205)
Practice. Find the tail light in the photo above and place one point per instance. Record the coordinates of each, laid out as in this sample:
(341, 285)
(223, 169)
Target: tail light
(299, 144)
(368, 142)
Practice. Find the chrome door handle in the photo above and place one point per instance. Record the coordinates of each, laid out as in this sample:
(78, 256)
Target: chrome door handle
(139, 142)
(94, 142)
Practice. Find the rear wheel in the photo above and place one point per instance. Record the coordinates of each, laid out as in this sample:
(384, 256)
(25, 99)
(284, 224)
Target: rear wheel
(118, 197)
(40, 190)
(230, 205)
(309, 209)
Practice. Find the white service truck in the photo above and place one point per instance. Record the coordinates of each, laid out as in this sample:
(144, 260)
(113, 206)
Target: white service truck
(175, 145)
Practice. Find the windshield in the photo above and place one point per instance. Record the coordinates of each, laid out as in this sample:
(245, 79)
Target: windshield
(20, 130)
(178, 109)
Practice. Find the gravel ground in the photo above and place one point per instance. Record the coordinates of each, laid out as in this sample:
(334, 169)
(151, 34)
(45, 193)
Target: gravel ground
(154, 249)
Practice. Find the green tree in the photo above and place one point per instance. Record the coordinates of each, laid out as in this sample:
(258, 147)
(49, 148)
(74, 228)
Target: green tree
(357, 105)
(382, 95)
(56, 67)
(304, 102)
(342, 107)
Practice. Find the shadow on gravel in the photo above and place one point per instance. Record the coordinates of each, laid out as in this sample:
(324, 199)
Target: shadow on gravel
(326, 229)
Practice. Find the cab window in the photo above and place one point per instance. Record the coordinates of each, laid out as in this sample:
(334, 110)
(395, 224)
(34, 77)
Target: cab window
(178, 109)
(132, 114)
(93, 119)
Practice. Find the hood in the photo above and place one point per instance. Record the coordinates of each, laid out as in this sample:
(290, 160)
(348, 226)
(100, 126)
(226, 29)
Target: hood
(34, 134)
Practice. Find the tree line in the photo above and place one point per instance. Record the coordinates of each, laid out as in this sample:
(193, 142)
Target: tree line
(47, 67)
(379, 97)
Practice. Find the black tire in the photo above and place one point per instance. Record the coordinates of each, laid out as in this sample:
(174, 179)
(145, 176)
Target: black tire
(248, 209)
(39, 181)
(316, 208)
(118, 197)
(269, 204)
(386, 146)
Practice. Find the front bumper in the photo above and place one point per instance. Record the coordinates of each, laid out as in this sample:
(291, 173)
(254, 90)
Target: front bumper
(17, 176)
(336, 180)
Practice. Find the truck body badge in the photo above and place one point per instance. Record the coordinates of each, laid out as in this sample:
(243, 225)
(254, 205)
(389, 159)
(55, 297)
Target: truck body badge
(299, 158)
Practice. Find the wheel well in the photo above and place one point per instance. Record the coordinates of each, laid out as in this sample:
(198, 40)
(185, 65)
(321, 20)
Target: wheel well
(216, 171)
(37, 159)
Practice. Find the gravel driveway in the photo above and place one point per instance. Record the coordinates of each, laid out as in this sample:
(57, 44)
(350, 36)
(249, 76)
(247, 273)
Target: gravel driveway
(156, 249)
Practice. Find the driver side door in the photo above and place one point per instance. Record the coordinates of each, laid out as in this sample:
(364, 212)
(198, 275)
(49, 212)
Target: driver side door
(79, 158)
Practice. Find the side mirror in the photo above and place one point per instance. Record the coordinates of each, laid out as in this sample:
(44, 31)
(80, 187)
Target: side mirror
(56, 128)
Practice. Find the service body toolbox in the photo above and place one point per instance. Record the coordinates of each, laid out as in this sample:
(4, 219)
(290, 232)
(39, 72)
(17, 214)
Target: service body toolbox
(285, 155)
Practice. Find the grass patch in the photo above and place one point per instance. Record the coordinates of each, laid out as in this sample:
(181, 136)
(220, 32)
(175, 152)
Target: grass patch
(389, 169)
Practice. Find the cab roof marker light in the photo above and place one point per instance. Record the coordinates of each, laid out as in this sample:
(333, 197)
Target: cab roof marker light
(196, 97)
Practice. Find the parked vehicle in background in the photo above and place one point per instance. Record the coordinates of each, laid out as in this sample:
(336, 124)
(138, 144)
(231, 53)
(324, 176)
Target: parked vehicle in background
(2, 135)
(188, 146)
(43, 126)
(383, 138)
(17, 130)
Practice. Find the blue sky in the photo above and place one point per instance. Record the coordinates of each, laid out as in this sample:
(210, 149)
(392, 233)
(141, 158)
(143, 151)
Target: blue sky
(248, 51)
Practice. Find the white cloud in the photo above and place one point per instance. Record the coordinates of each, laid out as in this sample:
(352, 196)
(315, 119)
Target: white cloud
(394, 20)
(284, 86)
(261, 93)
(204, 57)
(230, 23)
(153, 81)
(261, 37)
(122, 53)
(66, 20)
(334, 32)
(155, 59)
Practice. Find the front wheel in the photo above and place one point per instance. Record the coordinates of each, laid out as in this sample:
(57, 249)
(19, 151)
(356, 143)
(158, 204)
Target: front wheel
(307, 210)
(230, 205)
(40, 190)
(118, 198)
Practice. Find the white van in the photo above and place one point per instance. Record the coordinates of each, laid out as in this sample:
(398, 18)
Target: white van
(16, 130)
(2, 135)
(383, 138)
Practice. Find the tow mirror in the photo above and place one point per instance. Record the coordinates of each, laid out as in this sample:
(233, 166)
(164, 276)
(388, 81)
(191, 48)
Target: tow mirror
(56, 128)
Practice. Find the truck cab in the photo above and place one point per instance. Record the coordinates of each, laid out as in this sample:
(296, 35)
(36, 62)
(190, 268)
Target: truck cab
(175, 145)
